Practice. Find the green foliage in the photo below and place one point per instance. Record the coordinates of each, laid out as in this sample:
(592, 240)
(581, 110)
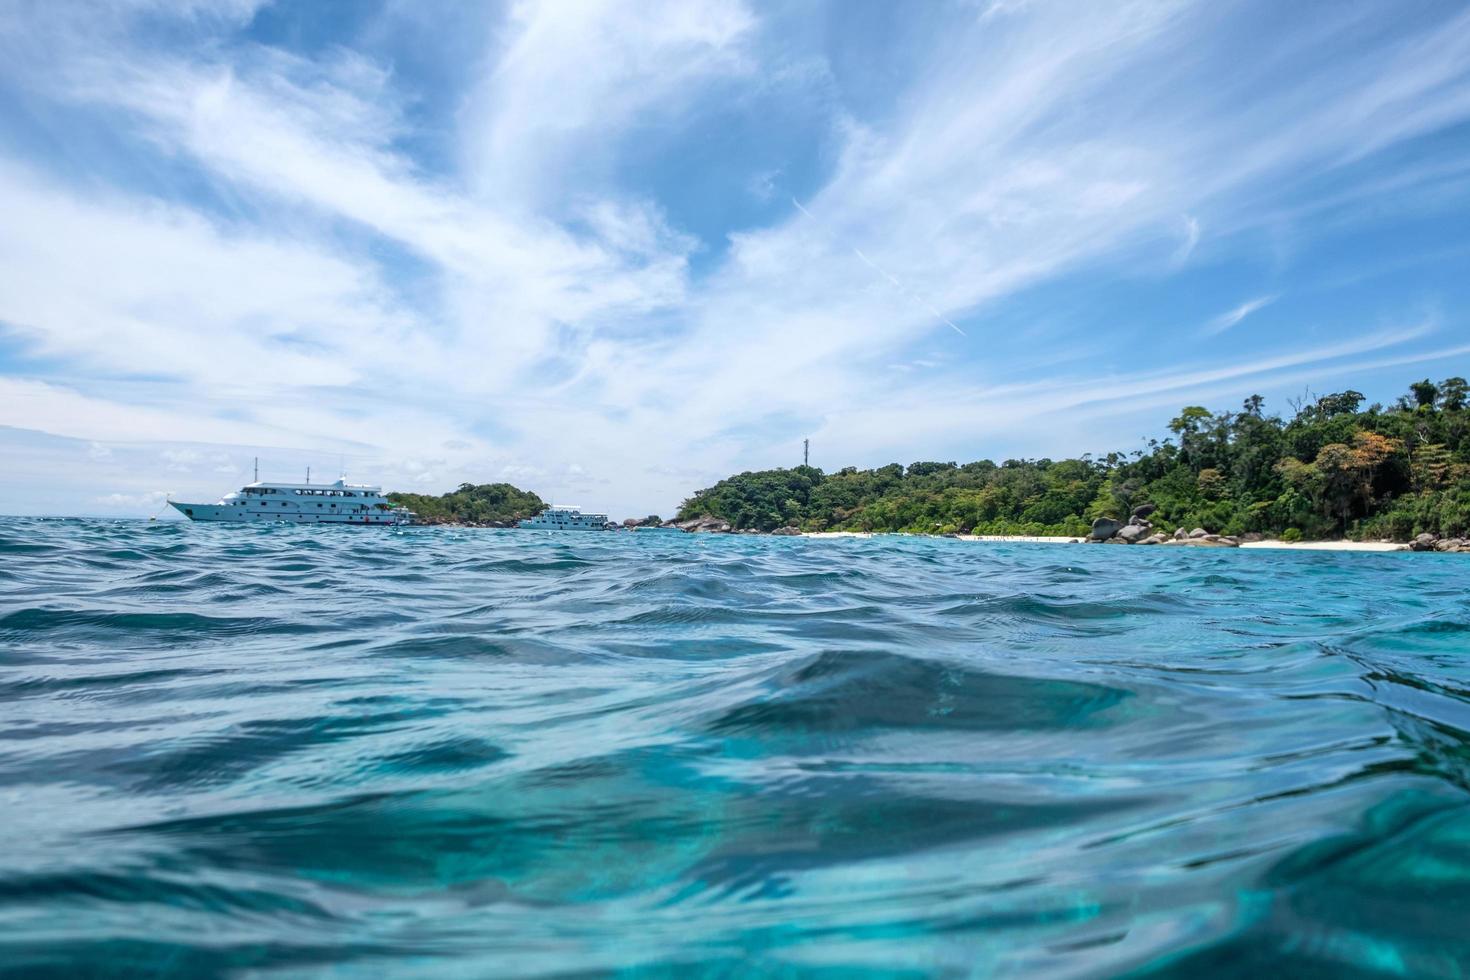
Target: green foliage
(765, 500)
(480, 504)
(1331, 469)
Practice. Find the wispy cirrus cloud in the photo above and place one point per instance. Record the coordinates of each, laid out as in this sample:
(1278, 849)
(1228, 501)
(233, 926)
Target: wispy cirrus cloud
(1230, 318)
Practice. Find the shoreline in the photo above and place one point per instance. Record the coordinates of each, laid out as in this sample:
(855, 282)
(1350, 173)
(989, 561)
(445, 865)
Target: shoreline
(1367, 546)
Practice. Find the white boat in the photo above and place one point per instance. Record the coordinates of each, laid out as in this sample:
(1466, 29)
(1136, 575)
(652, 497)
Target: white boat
(565, 517)
(301, 503)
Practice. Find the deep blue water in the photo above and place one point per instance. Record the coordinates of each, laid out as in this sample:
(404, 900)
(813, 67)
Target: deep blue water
(279, 750)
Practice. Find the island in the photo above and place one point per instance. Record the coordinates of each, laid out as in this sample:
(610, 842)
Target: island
(473, 505)
(1332, 470)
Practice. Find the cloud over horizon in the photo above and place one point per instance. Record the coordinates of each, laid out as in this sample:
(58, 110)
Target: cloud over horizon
(560, 243)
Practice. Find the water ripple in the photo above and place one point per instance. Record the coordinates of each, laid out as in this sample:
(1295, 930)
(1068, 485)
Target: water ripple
(426, 750)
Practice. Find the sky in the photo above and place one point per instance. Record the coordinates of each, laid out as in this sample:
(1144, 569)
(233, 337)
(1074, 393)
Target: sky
(613, 252)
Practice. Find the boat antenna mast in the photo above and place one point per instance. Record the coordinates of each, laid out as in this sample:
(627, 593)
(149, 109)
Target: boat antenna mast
(257, 469)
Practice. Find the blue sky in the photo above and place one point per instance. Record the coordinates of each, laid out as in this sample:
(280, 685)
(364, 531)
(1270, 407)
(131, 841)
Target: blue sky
(612, 252)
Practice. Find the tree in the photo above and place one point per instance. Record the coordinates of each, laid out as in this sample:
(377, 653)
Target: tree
(1347, 471)
(1429, 466)
(925, 469)
(1341, 403)
(1425, 393)
(1211, 483)
(1189, 420)
(1187, 427)
(1453, 394)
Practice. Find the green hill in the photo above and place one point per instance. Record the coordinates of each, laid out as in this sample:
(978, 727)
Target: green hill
(485, 503)
(1333, 468)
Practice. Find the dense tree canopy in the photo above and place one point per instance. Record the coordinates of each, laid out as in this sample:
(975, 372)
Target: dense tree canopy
(481, 504)
(1333, 468)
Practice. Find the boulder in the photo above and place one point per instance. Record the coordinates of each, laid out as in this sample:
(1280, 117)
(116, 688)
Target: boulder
(1180, 534)
(1252, 536)
(1104, 528)
(1144, 510)
(1448, 544)
(707, 524)
(788, 532)
(1198, 532)
(1115, 540)
(1423, 542)
(1155, 539)
(1132, 533)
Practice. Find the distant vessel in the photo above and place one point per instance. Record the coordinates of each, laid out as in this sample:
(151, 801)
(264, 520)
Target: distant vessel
(565, 517)
(301, 503)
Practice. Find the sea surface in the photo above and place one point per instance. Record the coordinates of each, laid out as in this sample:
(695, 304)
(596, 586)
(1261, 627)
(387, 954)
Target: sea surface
(271, 750)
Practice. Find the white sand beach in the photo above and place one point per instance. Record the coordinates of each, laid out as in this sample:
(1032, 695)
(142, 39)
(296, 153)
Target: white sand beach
(1031, 539)
(1327, 545)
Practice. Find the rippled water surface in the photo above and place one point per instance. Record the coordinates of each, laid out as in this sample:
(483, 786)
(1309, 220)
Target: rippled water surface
(269, 749)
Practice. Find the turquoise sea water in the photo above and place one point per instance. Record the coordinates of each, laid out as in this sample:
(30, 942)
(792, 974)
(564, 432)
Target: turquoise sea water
(279, 750)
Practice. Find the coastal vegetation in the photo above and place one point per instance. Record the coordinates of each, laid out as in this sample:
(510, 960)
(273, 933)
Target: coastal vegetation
(485, 503)
(1332, 468)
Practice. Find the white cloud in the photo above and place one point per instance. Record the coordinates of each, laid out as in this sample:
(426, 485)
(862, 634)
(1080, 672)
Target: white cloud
(122, 285)
(1190, 242)
(574, 77)
(133, 501)
(1230, 318)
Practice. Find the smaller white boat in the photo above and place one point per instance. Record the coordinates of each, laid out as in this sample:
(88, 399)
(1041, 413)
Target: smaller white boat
(565, 517)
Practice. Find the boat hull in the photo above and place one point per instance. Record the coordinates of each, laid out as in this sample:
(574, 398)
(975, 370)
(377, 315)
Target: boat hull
(224, 514)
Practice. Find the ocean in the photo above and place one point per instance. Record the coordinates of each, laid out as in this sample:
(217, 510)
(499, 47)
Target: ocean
(286, 751)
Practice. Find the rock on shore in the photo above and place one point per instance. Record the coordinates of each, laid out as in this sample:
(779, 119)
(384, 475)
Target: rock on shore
(703, 525)
(1138, 530)
(1433, 542)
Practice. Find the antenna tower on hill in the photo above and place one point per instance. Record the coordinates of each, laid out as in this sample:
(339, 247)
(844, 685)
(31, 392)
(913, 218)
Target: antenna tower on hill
(806, 452)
